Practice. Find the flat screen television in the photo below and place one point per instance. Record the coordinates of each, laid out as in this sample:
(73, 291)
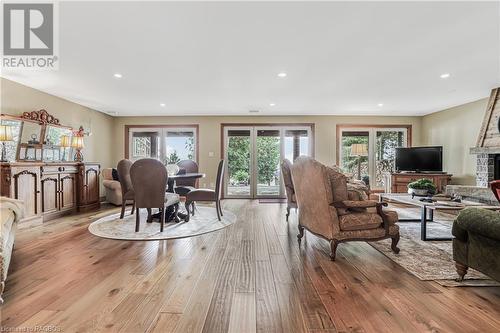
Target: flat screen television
(419, 159)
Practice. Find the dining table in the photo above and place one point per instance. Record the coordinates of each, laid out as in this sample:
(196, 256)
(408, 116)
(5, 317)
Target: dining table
(171, 180)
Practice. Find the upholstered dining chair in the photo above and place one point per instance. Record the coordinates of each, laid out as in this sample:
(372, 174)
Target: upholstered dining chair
(184, 186)
(127, 189)
(149, 179)
(290, 192)
(326, 211)
(208, 195)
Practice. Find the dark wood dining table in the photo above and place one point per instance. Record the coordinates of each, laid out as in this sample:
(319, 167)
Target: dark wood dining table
(169, 212)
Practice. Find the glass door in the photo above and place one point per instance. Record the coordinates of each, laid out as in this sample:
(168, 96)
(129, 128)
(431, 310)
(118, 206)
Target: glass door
(254, 156)
(238, 154)
(368, 153)
(267, 162)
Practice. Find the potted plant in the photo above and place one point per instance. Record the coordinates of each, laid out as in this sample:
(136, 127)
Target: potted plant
(422, 187)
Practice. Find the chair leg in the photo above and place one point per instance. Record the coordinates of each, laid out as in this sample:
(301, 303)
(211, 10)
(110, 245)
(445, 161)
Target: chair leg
(137, 219)
(217, 209)
(301, 233)
(122, 214)
(162, 218)
(133, 208)
(333, 249)
(193, 207)
(461, 270)
(176, 210)
(287, 213)
(150, 217)
(187, 204)
(394, 244)
(220, 208)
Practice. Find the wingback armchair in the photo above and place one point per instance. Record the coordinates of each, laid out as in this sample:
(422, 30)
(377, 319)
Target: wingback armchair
(286, 166)
(326, 211)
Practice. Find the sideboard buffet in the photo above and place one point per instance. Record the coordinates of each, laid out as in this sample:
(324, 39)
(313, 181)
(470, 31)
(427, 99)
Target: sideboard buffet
(38, 167)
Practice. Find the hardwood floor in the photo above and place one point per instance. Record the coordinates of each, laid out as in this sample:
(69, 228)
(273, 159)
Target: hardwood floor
(251, 276)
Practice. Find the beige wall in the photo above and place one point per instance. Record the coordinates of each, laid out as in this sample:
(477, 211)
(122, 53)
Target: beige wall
(456, 129)
(16, 99)
(210, 133)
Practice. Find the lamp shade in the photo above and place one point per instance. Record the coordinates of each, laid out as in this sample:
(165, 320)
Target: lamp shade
(359, 149)
(77, 142)
(6, 133)
(65, 141)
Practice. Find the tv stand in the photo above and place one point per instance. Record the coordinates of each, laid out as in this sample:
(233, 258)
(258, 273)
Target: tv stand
(400, 181)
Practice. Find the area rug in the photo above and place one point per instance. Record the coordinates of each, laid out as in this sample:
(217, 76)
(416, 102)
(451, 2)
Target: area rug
(204, 221)
(430, 260)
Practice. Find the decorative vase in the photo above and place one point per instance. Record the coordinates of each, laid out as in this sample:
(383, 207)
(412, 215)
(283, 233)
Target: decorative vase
(172, 169)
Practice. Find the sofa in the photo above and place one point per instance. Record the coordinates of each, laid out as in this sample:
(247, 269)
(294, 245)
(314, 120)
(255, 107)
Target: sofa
(477, 242)
(113, 188)
(11, 211)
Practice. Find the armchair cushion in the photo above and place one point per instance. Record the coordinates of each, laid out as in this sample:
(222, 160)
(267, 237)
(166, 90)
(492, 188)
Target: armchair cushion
(171, 199)
(360, 221)
(480, 221)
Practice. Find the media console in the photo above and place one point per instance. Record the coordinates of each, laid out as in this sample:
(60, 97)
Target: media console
(400, 181)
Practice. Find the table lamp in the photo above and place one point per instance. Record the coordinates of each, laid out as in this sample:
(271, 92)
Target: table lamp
(65, 143)
(5, 136)
(359, 150)
(77, 143)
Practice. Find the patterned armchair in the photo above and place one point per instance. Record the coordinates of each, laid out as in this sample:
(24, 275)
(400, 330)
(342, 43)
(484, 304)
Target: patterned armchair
(290, 192)
(326, 211)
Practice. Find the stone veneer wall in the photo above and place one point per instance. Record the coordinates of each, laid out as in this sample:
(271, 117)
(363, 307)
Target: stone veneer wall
(473, 193)
(484, 169)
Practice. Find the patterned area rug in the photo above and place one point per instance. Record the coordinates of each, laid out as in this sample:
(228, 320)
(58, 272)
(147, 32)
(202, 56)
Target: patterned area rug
(204, 221)
(431, 260)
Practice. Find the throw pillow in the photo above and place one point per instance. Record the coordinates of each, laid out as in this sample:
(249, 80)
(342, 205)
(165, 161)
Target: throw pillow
(338, 182)
(114, 174)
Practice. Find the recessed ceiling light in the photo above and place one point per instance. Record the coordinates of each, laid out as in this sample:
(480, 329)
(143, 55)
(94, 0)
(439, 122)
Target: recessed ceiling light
(118, 75)
(272, 104)
(444, 75)
(380, 105)
(162, 105)
(253, 111)
(282, 74)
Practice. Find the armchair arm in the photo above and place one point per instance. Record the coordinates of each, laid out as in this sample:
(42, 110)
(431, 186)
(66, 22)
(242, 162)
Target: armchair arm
(476, 220)
(346, 204)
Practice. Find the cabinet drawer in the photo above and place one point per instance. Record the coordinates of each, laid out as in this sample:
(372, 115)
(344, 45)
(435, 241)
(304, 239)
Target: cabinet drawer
(400, 179)
(50, 169)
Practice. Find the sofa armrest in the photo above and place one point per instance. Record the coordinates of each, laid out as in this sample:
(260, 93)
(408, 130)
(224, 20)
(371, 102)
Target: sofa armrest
(111, 184)
(476, 220)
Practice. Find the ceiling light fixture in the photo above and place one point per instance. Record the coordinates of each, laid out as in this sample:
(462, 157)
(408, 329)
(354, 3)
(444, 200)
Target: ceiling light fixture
(253, 111)
(118, 75)
(445, 75)
(272, 104)
(282, 74)
(380, 105)
(162, 105)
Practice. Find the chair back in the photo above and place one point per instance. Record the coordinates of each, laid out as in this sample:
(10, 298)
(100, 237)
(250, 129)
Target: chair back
(219, 180)
(123, 169)
(495, 188)
(190, 167)
(286, 166)
(149, 178)
(313, 192)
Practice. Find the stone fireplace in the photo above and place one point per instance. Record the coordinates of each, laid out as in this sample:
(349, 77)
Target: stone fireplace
(487, 153)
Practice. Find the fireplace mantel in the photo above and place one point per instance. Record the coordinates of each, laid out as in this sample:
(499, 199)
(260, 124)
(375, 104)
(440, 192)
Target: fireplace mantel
(485, 150)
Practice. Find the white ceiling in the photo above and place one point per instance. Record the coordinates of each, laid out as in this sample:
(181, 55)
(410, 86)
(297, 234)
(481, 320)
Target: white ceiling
(223, 58)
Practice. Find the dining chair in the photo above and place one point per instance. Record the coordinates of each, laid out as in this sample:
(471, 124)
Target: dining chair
(208, 195)
(149, 179)
(291, 201)
(127, 189)
(184, 186)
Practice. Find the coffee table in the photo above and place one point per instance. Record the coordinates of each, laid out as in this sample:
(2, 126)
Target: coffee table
(427, 210)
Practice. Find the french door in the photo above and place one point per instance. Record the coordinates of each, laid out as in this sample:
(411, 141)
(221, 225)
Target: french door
(254, 155)
(369, 152)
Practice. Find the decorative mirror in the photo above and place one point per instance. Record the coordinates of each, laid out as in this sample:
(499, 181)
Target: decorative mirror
(56, 145)
(12, 141)
(30, 145)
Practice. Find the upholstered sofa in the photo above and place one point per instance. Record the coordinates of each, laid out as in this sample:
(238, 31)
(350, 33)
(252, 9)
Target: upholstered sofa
(477, 242)
(113, 188)
(11, 211)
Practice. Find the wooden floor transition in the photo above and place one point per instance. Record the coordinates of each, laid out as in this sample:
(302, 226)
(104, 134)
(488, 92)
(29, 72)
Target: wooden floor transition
(251, 276)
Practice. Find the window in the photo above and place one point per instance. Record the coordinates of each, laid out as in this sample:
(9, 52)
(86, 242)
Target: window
(169, 144)
(368, 152)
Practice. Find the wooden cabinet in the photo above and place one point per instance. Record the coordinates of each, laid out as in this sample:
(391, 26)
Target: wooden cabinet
(50, 190)
(400, 181)
(88, 178)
